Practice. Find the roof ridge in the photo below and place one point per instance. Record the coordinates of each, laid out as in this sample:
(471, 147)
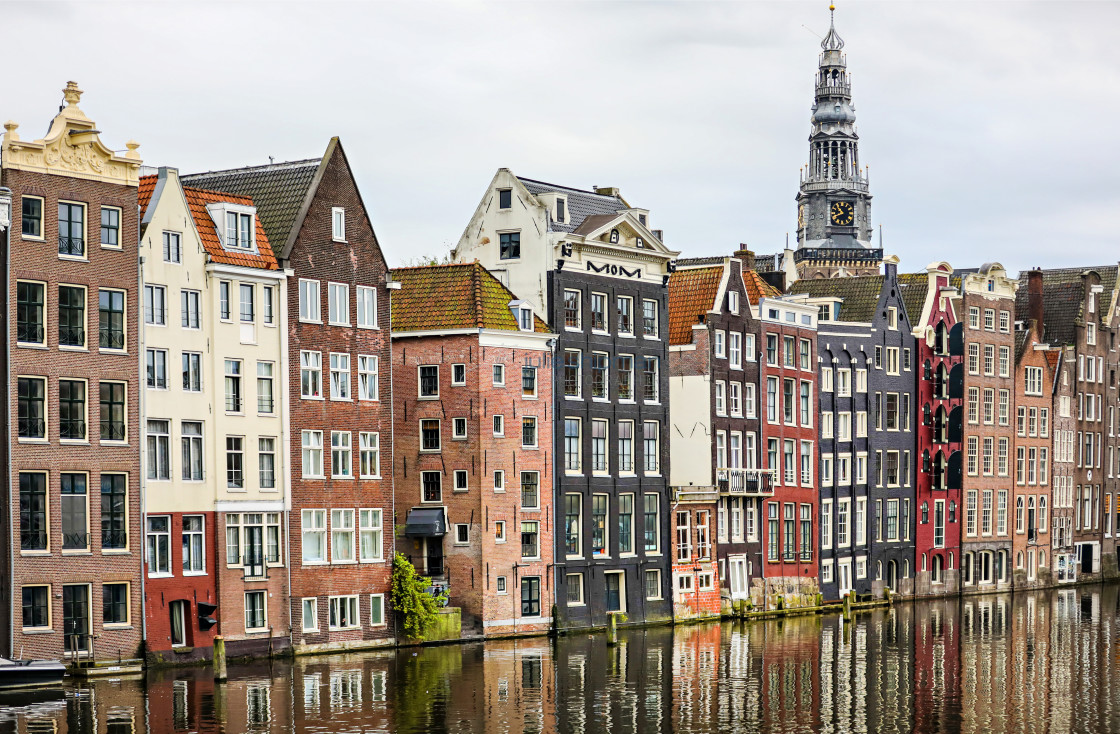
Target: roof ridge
(434, 265)
(216, 193)
(264, 166)
(566, 188)
(476, 286)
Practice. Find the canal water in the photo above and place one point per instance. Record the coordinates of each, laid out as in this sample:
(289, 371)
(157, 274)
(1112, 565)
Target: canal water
(1038, 661)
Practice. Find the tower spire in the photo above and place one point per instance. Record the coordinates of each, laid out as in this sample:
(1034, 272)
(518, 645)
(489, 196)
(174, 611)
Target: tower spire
(834, 204)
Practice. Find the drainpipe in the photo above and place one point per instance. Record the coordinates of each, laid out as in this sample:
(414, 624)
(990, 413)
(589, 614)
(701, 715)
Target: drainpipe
(5, 226)
(391, 285)
(142, 389)
(286, 432)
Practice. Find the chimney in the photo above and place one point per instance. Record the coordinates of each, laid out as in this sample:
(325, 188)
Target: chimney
(746, 255)
(1034, 296)
(607, 191)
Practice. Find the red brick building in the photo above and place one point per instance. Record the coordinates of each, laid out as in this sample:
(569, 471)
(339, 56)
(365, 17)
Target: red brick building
(715, 473)
(789, 432)
(340, 431)
(988, 309)
(1034, 384)
(931, 303)
(73, 447)
(472, 385)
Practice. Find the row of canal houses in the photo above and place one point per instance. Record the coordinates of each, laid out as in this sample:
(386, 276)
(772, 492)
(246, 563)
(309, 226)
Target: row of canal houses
(566, 420)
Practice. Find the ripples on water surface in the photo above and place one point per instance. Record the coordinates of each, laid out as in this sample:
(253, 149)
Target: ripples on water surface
(1035, 662)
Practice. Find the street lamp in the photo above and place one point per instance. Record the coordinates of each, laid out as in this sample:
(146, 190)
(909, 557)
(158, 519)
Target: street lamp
(5, 208)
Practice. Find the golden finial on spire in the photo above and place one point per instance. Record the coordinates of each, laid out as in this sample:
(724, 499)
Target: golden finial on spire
(832, 6)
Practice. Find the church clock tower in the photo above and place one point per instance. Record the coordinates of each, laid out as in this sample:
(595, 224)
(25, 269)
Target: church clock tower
(833, 203)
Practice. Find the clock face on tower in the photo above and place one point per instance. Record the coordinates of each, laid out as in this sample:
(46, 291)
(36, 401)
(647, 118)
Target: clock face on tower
(842, 213)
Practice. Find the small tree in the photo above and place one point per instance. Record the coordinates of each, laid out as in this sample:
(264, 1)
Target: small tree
(410, 598)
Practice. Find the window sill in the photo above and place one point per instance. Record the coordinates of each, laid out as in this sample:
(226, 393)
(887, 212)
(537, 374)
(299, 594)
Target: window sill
(117, 626)
(371, 560)
(31, 345)
(116, 552)
(338, 323)
(347, 478)
(308, 397)
(341, 400)
(428, 397)
(161, 575)
(460, 491)
(35, 441)
(72, 348)
(73, 258)
(264, 630)
(37, 631)
(195, 573)
(573, 398)
(76, 552)
(303, 321)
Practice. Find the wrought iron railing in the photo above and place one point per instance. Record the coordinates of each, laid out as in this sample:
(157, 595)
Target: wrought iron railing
(745, 481)
(29, 332)
(75, 541)
(32, 540)
(110, 338)
(71, 336)
(114, 539)
(32, 428)
(73, 246)
(113, 431)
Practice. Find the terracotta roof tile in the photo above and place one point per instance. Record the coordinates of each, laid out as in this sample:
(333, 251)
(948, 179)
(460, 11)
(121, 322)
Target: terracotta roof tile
(455, 296)
(757, 288)
(197, 199)
(147, 186)
(278, 189)
(692, 292)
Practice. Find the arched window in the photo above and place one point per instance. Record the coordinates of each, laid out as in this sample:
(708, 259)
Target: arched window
(950, 559)
(905, 568)
(923, 561)
(1041, 516)
(1019, 560)
(1019, 516)
(878, 570)
(1042, 559)
(925, 519)
(936, 576)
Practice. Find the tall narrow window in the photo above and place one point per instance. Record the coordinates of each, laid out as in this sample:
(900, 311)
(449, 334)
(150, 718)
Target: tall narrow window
(75, 512)
(72, 229)
(71, 316)
(29, 313)
(111, 333)
(155, 305)
(233, 385)
(367, 307)
(235, 462)
(32, 511)
(114, 530)
(31, 399)
(113, 411)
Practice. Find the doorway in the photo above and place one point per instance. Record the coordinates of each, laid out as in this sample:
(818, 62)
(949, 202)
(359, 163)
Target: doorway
(75, 617)
(616, 591)
(738, 567)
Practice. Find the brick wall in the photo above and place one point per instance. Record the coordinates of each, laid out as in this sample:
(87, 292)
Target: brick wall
(358, 261)
(102, 268)
(473, 568)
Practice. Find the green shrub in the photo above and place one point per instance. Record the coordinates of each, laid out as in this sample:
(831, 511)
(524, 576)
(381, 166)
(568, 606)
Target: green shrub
(411, 600)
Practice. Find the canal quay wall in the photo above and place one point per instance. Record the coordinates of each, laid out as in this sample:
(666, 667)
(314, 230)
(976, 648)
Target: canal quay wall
(740, 612)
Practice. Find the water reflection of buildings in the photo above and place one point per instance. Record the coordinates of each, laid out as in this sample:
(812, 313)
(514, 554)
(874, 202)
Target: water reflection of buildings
(1040, 661)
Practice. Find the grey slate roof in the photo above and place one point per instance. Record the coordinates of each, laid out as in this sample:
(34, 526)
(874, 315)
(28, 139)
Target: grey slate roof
(914, 287)
(1062, 301)
(765, 263)
(278, 191)
(580, 204)
(860, 295)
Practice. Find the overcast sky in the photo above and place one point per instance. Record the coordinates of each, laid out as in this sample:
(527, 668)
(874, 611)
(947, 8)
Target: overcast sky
(988, 126)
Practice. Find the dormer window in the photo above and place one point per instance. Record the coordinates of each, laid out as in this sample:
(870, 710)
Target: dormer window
(733, 301)
(239, 230)
(561, 210)
(642, 219)
(614, 236)
(523, 312)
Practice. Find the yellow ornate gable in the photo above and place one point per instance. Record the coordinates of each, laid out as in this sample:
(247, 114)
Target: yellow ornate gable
(72, 147)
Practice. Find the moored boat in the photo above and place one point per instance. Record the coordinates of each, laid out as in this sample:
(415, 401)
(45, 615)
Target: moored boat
(30, 673)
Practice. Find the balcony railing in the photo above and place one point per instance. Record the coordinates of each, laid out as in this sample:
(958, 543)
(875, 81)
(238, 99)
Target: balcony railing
(33, 540)
(75, 541)
(834, 90)
(114, 539)
(113, 431)
(32, 428)
(73, 246)
(29, 332)
(806, 556)
(745, 481)
(71, 336)
(110, 338)
(846, 254)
